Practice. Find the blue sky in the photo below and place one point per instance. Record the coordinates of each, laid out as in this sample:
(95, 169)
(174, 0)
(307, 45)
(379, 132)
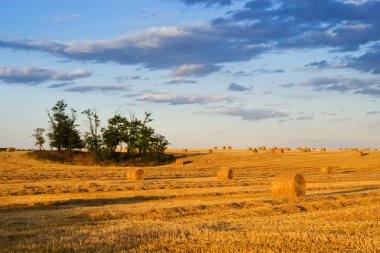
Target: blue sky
(212, 72)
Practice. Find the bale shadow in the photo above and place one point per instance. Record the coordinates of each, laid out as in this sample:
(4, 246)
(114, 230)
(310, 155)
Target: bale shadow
(366, 189)
(348, 171)
(74, 203)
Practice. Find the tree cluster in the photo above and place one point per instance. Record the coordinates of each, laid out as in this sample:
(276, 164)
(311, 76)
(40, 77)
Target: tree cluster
(131, 135)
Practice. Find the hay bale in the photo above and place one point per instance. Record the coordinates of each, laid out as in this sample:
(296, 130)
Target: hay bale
(215, 147)
(225, 174)
(249, 149)
(179, 161)
(323, 149)
(229, 147)
(280, 150)
(287, 149)
(209, 151)
(135, 174)
(262, 148)
(292, 185)
(326, 170)
(271, 151)
(254, 150)
(223, 147)
(361, 153)
(10, 149)
(185, 150)
(306, 150)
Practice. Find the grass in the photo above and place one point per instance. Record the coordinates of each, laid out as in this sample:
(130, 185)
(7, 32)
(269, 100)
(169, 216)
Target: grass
(59, 208)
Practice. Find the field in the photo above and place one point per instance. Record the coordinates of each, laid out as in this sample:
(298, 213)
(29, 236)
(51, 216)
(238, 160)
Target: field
(48, 207)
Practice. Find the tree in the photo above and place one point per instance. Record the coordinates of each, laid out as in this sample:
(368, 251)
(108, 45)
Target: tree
(114, 133)
(140, 139)
(157, 146)
(40, 140)
(92, 138)
(63, 134)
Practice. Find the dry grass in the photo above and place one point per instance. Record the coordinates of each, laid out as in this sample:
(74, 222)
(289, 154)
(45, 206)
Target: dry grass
(47, 207)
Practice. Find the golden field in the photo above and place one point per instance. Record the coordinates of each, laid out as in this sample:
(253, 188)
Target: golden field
(183, 207)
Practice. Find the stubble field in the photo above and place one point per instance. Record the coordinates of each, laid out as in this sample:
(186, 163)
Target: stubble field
(48, 207)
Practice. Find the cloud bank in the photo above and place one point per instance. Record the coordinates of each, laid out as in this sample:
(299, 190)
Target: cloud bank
(182, 99)
(252, 114)
(35, 75)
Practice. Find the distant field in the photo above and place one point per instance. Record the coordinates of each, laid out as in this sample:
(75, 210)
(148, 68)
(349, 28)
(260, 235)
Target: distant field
(47, 207)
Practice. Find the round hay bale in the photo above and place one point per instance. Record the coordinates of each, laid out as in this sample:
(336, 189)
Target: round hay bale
(306, 150)
(262, 148)
(225, 174)
(215, 147)
(185, 150)
(209, 151)
(254, 150)
(10, 149)
(280, 150)
(323, 149)
(326, 170)
(135, 174)
(229, 147)
(292, 185)
(249, 149)
(223, 147)
(271, 151)
(179, 162)
(360, 153)
(287, 149)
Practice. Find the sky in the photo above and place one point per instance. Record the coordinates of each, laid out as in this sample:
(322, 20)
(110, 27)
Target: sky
(241, 73)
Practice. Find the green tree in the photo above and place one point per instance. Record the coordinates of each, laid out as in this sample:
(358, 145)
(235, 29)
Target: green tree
(92, 138)
(157, 146)
(40, 140)
(113, 133)
(63, 134)
(141, 139)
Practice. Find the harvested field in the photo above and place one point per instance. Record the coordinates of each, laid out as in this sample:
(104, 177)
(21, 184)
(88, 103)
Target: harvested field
(48, 207)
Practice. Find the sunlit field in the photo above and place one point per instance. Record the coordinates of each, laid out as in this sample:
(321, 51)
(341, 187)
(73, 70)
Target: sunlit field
(49, 207)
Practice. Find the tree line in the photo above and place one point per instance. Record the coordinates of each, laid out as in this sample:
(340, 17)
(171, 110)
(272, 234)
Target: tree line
(138, 139)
